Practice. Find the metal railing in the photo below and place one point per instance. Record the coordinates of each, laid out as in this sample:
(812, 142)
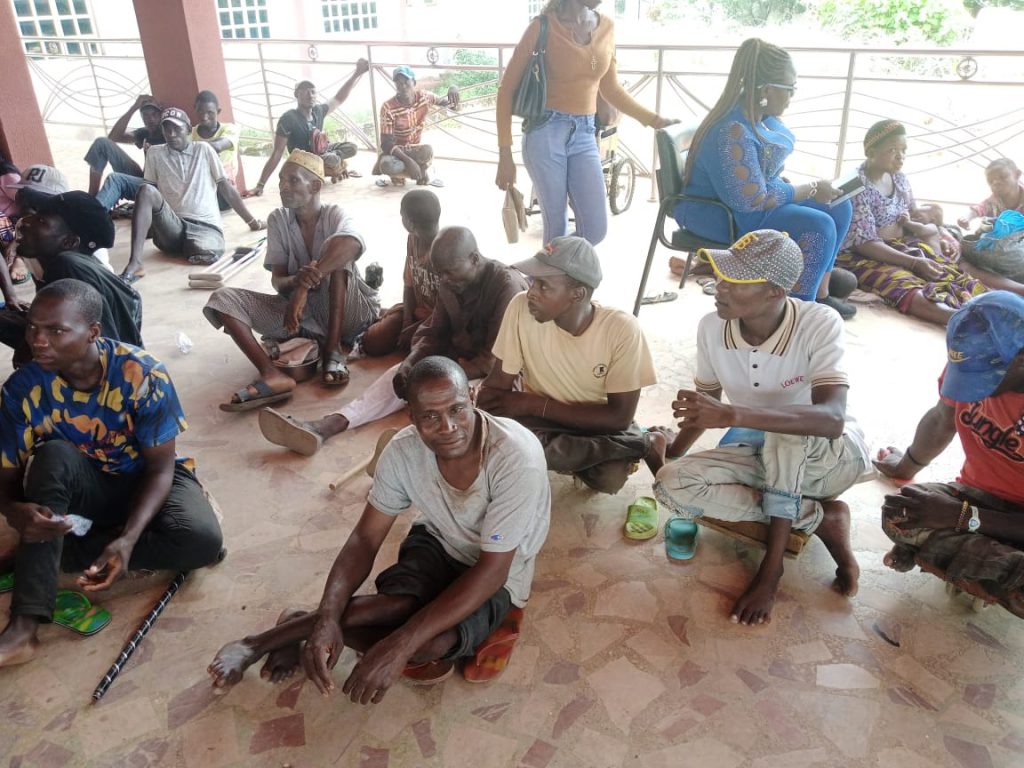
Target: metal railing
(962, 107)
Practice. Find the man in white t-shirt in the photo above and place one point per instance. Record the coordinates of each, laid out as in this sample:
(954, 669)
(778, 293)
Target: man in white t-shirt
(582, 367)
(480, 487)
(177, 206)
(794, 449)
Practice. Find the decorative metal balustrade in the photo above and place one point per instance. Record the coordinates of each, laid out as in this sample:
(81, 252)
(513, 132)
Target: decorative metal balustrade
(963, 108)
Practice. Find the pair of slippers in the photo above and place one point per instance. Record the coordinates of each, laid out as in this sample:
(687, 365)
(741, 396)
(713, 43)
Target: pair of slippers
(72, 610)
(487, 664)
(642, 523)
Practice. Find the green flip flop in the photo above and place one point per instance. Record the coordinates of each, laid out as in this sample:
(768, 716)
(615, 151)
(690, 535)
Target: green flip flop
(6, 582)
(641, 519)
(680, 538)
(74, 611)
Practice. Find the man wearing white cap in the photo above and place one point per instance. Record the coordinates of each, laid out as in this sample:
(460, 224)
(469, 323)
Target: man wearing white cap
(582, 367)
(779, 362)
(312, 250)
(178, 204)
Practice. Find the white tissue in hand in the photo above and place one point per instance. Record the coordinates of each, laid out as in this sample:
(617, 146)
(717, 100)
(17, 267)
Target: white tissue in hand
(79, 525)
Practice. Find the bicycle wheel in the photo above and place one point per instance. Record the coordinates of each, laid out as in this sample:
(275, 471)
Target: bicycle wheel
(622, 185)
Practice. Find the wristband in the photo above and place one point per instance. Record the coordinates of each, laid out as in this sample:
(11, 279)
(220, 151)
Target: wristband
(963, 514)
(910, 456)
(260, 185)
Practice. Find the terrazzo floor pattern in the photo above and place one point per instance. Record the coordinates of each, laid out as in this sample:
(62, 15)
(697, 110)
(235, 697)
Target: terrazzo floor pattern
(626, 658)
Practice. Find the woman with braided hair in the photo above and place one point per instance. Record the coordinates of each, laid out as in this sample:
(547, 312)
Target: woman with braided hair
(560, 150)
(906, 271)
(737, 156)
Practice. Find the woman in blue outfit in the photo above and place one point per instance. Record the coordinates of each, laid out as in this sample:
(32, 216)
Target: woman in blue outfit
(737, 156)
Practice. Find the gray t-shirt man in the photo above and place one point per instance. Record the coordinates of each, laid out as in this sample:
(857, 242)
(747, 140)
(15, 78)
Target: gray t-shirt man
(187, 180)
(508, 506)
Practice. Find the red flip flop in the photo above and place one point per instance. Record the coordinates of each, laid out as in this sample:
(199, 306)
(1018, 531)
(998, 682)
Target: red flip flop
(493, 655)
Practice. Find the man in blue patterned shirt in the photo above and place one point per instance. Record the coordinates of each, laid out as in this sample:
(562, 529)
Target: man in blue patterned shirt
(98, 418)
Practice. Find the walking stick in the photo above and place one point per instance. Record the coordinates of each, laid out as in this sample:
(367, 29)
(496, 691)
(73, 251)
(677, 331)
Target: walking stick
(369, 465)
(133, 642)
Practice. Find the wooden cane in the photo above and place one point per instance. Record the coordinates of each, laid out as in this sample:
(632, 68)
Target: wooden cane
(369, 465)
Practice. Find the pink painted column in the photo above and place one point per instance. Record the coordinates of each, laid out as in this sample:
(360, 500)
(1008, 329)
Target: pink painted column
(182, 45)
(22, 134)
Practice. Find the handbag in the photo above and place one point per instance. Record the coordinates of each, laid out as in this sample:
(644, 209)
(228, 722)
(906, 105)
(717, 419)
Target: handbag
(531, 96)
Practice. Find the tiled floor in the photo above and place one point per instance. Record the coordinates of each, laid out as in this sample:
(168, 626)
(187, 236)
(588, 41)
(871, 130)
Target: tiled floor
(626, 658)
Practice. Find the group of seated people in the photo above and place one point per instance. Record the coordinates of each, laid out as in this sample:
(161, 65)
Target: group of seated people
(507, 372)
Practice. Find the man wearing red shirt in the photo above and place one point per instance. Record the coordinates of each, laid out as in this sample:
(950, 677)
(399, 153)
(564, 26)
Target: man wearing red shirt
(970, 532)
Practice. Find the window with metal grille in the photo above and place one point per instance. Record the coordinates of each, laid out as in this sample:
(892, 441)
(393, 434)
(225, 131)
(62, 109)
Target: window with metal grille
(534, 7)
(60, 22)
(243, 18)
(349, 16)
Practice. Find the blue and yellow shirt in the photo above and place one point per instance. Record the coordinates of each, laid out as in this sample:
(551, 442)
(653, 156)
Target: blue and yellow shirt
(134, 407)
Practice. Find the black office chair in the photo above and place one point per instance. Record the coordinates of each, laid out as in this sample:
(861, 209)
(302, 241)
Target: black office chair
(673, 144)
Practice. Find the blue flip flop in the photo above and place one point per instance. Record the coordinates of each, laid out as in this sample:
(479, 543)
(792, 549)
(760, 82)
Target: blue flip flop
(680, 538)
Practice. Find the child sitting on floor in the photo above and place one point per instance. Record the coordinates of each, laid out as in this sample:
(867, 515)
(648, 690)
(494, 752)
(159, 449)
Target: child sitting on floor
(1004, 180)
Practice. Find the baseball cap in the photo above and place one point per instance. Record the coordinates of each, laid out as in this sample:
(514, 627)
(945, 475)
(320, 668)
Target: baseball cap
(44, 179)
(151, 103)
(404, 71)
(982, 339)
(761, 256)
(175, 115)
(312, 163)
(84, 215)
(572, 256)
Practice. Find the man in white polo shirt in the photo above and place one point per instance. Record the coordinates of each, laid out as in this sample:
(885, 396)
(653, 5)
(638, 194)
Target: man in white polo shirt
(177, 206)
(779, 361)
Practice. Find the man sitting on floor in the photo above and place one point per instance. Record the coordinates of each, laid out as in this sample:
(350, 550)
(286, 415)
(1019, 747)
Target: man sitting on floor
(402, 117)
(779, 362)
(126, 174)
(421, 212)
(178, 204)
(223, 137)
(471, 299)
(582, 368)
(98, 419)
(480, 487)
(303, 128)
(970, 532)
(61, 234)
(311, 254)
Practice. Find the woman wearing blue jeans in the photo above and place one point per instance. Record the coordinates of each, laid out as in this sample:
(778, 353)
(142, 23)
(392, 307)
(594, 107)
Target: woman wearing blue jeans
(560, 150)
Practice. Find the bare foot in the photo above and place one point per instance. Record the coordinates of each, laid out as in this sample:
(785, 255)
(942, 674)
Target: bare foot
(899, 558)
(661, 439)
(834, 533)
(230, 663)
(755, 605)
(284, 662)
(18, 642)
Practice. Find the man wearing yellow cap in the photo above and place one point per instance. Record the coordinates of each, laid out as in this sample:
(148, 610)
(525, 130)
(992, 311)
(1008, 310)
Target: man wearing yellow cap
(791, 448)
(320, 293)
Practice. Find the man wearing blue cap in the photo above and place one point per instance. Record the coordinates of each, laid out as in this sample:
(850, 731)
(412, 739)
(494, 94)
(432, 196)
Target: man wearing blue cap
(970, 532)
(402, 156)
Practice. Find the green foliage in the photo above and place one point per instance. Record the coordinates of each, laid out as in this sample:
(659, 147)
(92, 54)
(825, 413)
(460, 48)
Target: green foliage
(938, 22)
(749, 13)
(471, 84)
(973, 6)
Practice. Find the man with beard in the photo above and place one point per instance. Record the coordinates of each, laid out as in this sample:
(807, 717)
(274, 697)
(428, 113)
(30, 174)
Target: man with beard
(311, 254)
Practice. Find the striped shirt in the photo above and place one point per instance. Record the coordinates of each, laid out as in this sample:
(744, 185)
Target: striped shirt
(405, 121)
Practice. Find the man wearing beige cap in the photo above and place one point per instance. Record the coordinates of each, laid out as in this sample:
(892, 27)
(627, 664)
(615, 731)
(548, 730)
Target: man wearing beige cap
(582, 367)
(320, 293)
(791, 449)
(177, 206)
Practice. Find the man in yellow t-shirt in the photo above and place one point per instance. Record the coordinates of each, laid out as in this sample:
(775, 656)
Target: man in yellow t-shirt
(582, 367)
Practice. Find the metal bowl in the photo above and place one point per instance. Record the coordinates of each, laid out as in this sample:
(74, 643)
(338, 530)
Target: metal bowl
(302, 372)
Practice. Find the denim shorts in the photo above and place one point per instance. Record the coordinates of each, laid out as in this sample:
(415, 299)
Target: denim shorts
(423, 571)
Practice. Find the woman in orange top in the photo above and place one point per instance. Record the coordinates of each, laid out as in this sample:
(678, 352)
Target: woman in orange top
(560, 150)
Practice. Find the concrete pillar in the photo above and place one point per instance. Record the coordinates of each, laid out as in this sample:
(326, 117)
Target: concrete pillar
(22, 134)
(182, 45)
